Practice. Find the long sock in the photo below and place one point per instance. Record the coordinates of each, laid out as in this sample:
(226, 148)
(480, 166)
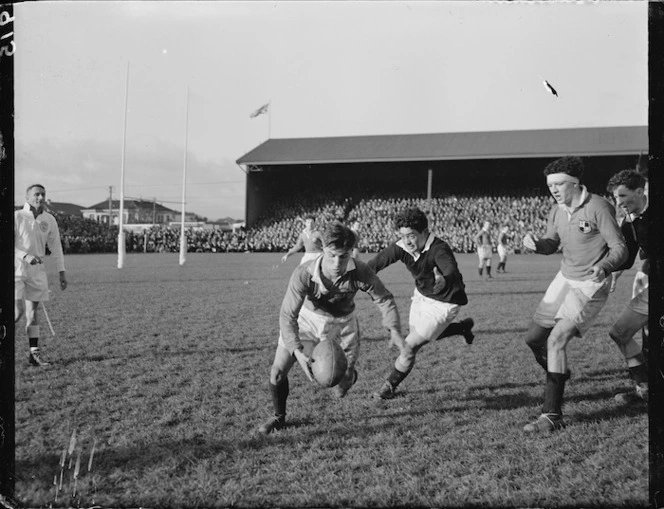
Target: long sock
(34, 342)
(553, 393)
(279, 395)
(396, 377)
(480, 270)
(488, 270)
(639, 374)
(453, 329)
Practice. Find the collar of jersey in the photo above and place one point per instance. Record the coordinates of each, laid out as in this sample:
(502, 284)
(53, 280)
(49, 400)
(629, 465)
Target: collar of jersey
(632, 217)
(28, 208)
(585, 195)
(315, 271)
(426, 247)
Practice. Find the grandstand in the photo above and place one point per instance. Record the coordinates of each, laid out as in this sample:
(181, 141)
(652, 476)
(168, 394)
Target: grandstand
(460, 179)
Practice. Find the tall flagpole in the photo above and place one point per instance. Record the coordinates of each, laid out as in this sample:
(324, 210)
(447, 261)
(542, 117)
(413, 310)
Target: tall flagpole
(121, 235)
(183, 237)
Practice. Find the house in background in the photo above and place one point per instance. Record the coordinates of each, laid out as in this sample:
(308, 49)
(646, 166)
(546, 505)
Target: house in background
(135, 212)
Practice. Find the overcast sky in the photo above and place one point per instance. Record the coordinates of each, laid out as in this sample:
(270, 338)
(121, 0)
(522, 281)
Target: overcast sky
(327, 69)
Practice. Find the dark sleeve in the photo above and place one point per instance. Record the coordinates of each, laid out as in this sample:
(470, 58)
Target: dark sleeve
(549, 243)
(627, 230)
(386, 257)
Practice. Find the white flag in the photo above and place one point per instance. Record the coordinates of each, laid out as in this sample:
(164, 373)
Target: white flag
(260, 111)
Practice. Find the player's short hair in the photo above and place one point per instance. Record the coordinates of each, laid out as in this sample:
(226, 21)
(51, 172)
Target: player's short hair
(571, 165)
(310, 216)
(27, 189)
(412, 218)
(631, 179)
(338, 236)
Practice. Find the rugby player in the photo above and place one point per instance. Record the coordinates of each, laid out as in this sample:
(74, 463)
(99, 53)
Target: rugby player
(584, 226)
(310, 239)
(628, 189)
(318, 306)
(438, 296)
(484, 249)
(503, 239)
(34, 228)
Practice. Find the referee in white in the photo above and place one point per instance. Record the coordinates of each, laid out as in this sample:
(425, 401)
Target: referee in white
(34, 228)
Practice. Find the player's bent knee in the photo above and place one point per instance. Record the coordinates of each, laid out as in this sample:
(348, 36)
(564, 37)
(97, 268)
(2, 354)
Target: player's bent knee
(277, 375)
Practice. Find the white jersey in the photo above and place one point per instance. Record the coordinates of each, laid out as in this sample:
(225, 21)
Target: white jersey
(32, 234)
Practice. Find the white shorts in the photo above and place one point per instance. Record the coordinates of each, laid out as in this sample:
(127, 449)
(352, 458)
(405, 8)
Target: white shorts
(30, 282)
(484, 252)
(308, 256)
(502, 251)
(429, 317)
(639, 302)
(577, 301)
(314, 328)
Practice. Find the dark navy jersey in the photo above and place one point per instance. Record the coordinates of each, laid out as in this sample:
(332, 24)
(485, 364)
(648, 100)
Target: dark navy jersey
(436, 253)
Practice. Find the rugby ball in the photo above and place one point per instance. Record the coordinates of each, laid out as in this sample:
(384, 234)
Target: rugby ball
(329, 363)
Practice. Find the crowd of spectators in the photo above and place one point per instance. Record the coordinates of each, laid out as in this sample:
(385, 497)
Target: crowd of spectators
(456, 218)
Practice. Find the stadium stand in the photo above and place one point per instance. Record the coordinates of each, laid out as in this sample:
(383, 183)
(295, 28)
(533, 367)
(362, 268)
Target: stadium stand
(455, 218)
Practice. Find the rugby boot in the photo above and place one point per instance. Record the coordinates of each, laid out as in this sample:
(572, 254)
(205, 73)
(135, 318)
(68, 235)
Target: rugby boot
(275, 422)
(35, 358)
(342, 388)
(468, 324)
(638, 395)
(545, 423)
(386, 391)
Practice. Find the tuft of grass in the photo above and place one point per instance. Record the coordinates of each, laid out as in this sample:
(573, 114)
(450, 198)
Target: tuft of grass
(160, 379)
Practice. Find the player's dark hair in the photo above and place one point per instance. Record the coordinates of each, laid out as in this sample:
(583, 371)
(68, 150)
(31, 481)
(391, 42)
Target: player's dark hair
(631, 179)
(338, 236)
(571, 165)
(27, 190)
(309, 216)
(412, 218)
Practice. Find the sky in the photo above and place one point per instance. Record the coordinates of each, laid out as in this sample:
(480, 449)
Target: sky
(101, 86)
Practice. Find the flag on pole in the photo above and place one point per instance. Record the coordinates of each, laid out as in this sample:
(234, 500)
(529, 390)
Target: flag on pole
(260, 111)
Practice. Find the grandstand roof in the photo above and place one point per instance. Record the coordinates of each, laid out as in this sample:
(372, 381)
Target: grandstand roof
(584, 141)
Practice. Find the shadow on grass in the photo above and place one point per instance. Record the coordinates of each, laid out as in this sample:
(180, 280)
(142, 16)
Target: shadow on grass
(511, 293)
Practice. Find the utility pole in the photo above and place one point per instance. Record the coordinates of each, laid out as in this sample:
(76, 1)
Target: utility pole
(429, 181)
(110, 207)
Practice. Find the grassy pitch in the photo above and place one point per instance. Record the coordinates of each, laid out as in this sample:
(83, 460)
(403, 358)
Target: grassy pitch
(159, 383)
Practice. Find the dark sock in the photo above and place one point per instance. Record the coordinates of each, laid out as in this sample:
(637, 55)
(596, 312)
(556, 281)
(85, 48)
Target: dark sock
(34, 342)
(488, 270)
(639, 374)
(396, 377)
(480, 270)
(553, 393)
(453, 329)
(279, 395)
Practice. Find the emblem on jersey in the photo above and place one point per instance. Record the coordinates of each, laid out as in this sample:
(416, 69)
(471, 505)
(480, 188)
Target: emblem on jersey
(43, 227)
(584, 226)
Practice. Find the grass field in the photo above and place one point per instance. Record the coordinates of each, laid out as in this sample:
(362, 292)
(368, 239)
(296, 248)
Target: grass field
(163, 371)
